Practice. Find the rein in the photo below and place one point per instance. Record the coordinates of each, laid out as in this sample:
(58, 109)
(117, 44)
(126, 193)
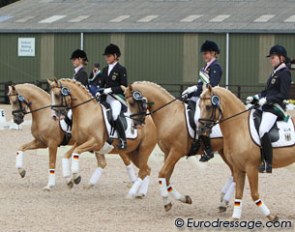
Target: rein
(154, 111)
(234, 115)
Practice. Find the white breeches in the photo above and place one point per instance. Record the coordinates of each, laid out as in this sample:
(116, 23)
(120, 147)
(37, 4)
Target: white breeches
(115, 105)
(267, 122)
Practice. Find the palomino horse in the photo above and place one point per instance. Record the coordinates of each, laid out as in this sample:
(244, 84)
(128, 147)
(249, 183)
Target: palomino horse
(173, 138)
(90, 133)
(219, 105)
(28, 98)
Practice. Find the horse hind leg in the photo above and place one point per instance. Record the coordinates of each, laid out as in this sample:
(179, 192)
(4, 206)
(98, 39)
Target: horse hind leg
(35, 144)
(129, 167)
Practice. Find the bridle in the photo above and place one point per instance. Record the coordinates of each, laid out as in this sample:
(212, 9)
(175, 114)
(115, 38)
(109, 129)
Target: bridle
(142, 105)
(208, 123)
(22, 110)
(63, 107)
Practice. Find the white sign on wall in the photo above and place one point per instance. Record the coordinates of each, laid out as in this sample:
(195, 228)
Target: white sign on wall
(26, 46)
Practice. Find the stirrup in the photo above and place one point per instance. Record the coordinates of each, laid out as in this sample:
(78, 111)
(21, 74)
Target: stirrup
(206, 157)
(261, 168)
(122, 145)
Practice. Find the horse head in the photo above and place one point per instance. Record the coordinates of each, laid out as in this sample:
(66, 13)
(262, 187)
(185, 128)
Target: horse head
(60, 98)
(210, 111)
(19, 104)
(138, 105)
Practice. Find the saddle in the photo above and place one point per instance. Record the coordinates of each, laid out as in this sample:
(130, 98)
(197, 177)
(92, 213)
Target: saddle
(110, 115)
(274, 131)
(191, 109)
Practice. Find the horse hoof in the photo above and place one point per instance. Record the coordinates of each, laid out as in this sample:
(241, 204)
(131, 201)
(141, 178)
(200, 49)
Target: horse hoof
(188, 200)
(70, 184)
(233, 219)
(140, 196)
(168, 207)
(22, 173)
(273, 218)
(88, 186)
(130, 196)
(77, 180)
(222, 209)
(47, 188)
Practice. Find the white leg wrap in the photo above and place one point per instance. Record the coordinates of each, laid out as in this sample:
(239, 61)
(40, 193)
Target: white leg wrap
(163, 187)
(75, 163)
(131, 173)
(230, 192)
(132, 192)
(262, 207)
(19, 159)
(173, 192)
(66, 167)
(227, 184)
(237, 209)
(51, 178)
(95, 176)
(144, 186)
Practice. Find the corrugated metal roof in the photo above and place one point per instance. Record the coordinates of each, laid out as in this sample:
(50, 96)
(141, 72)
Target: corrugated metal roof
(107, 16)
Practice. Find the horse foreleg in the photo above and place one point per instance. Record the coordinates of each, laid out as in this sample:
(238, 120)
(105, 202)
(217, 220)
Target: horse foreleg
(35, 144)
(239, 177)
(51, 171)
(252, 174)
(66, 171)
(164, 181)
(90, 145)
(101, 164)
(129, 167)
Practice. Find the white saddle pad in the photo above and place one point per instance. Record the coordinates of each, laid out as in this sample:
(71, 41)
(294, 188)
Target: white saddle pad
(216, 132)
(131, 133)
(286, 132)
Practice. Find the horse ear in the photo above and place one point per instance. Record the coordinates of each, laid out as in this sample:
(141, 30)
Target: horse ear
(209, 88)
(123, 88)
(55, 80)
(130, 88)
(49, 82)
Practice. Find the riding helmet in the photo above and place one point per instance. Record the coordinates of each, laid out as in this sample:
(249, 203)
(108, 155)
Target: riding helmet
(277, 50)
(210, 46)
(112, 49)
(79, 54)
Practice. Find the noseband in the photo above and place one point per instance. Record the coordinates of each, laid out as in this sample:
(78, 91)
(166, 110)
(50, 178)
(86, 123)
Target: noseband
(21, 109)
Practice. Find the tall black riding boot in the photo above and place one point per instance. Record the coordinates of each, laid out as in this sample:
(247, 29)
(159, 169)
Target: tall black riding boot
(266, 149)
(209, 154)
(121, 133)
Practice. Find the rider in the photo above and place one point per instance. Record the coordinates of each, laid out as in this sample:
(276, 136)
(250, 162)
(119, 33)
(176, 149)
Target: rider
(212, 73)
(115, 75)
(271, 101)
(79, 60)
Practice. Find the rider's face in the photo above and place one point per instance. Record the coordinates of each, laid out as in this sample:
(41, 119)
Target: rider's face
(274, 60)
(77, 62)
(110, 58)
(208, 56)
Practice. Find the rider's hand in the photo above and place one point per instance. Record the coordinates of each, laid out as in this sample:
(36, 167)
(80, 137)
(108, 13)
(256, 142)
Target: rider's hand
(252, 99)
(107, 91)
(262, 101)
(189, 90)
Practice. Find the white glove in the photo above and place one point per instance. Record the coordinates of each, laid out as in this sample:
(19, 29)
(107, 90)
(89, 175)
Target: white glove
(249, 99)
(189, 90)
(262, 101)
(107, 91)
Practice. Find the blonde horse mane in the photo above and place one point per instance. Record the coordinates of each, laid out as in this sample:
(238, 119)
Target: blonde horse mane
(77, 83)
(29, 87)
(153, 85)
(232, 96)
